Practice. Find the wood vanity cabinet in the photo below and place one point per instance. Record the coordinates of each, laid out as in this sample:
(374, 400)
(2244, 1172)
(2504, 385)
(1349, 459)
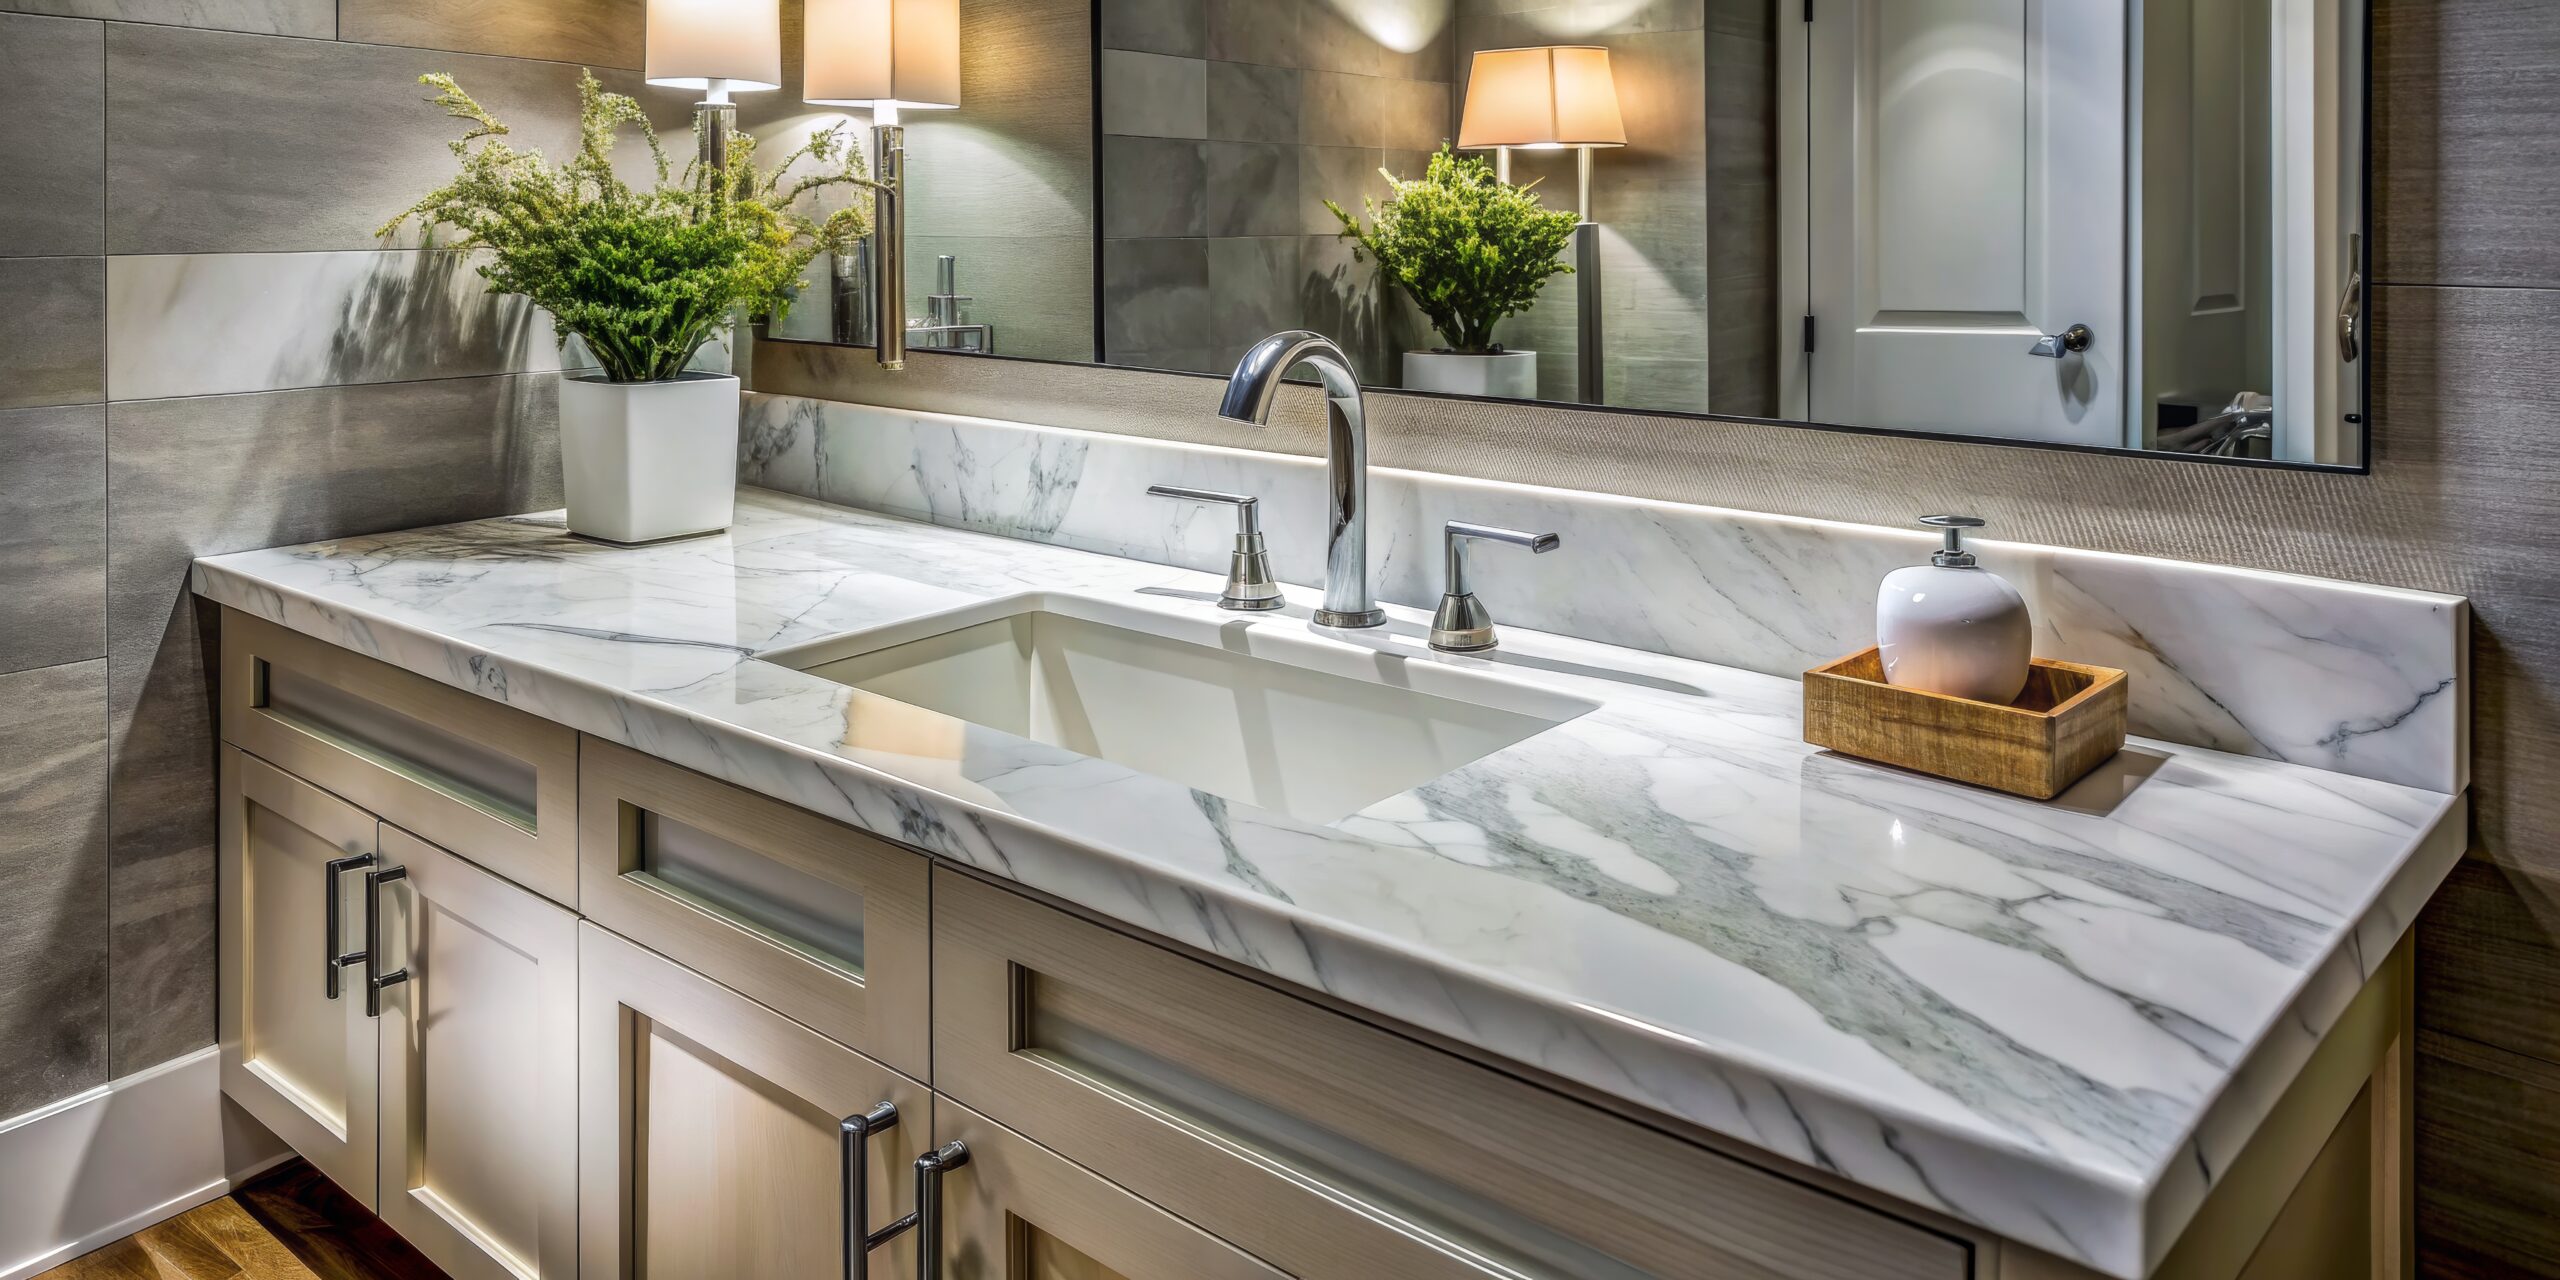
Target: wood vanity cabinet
(445, 1100)
(712, 1139)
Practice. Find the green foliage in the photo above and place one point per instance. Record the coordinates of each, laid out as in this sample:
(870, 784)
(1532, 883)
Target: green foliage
(644, 275)
(1468, 247)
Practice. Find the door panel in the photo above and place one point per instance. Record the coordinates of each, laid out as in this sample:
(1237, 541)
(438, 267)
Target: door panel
(479, 1068)
(1967, 198)
(300, 1060)
(1016, 1211)
(709, 1129)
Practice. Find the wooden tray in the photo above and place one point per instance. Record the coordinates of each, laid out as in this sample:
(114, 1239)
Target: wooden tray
(2067, 722)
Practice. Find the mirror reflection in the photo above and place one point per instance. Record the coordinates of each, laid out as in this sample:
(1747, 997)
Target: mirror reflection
(2074, 222)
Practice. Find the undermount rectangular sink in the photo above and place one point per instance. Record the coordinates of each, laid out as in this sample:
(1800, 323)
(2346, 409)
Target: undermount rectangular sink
(1262, 711)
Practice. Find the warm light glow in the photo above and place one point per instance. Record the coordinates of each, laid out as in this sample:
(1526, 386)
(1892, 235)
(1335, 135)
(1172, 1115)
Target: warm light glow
(694, 43)
(882, 53)
(1555, 96)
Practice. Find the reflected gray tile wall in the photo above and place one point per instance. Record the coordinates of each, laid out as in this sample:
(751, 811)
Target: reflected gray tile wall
(53, 546)
(209, 324)
(595, 33)
(316, 19)
(53, 85)
(229, 473)
(1176, 27)
(53, 885)
(1299, 105)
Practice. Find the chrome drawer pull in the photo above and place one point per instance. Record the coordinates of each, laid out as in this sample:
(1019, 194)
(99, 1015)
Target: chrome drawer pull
(332, 926)
(853, 1140)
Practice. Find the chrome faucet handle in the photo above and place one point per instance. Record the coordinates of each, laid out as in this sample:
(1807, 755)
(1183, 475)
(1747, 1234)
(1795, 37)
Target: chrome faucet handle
(1250, 586)
(1462, 624)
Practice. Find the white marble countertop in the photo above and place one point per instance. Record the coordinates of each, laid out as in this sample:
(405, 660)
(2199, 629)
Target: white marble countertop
(2058, 1021)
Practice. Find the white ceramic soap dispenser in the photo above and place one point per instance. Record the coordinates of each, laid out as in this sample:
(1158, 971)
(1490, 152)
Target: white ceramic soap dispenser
(1951, 626)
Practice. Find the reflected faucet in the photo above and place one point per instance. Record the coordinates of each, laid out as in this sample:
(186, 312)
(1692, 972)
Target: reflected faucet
(1250, 391)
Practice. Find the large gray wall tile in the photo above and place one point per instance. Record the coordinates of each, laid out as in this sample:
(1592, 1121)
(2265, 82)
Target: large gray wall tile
(1263, 31)
(53, 547)
(1252, 103)
(598, 33)
(315, 19)
(229, 473)
(57, 314)
(1176, 27)
(208, 324)
(53, 884)
(53, 91)
(1151, 95)
(220, 143)
(1153, 186)
(1155, 296)
(1253, 189)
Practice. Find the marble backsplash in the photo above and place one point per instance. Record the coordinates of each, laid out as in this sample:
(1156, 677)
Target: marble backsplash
(2362, 680)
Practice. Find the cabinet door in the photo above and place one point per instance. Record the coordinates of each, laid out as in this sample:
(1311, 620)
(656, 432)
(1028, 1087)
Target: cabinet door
(479, 1147)
(1016, 1211)
(710, 1130)
(297, 1050)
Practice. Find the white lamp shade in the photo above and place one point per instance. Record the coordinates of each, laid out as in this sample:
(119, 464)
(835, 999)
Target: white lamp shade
(871, 53)
(1554, 96)
(694, 42)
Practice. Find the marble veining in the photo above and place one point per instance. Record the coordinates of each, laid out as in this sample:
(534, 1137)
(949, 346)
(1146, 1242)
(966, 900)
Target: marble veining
(2057, 1021)
(2343, 677)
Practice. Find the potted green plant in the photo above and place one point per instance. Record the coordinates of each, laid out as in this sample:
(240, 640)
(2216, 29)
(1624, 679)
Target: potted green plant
(644, 276)
(1469, 249)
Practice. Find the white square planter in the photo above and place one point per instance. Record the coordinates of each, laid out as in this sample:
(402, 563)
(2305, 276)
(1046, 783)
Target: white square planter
(1510, 375)
(644, 461)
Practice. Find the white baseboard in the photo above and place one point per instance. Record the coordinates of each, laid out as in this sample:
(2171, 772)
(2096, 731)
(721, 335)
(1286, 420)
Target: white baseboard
(101, 1165)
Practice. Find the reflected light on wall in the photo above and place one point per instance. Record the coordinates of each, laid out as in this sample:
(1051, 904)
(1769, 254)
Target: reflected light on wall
(1406, 26)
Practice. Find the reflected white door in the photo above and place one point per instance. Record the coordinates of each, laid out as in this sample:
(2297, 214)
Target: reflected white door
(1967, 197)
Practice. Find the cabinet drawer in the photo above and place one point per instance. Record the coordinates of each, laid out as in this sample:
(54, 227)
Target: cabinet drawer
(1018, 1212)
(462, 771)
(1335, 1149)
(810, 917)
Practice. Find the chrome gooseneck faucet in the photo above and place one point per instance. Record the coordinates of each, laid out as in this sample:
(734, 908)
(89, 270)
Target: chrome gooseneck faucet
(1346, 460)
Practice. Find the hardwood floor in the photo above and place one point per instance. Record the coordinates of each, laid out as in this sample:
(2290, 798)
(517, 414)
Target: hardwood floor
(291, 1224)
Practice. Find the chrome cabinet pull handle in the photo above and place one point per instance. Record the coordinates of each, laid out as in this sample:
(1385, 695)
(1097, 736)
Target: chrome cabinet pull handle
(333, 927)
(2351, 304)
(374, 984)
(925, 1219)
(929, 1170)
(853, 1141)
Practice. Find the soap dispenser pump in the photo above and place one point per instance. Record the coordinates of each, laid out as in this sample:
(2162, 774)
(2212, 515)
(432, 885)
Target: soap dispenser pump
(1951, 626)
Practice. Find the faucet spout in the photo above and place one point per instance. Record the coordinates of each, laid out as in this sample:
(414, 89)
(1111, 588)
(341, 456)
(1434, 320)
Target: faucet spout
(1250, 391)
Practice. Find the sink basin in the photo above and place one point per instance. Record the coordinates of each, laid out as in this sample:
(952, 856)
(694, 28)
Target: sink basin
(1264, 711)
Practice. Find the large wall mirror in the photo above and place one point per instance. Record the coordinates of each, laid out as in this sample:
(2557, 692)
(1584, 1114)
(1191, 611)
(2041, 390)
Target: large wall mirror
(2111, 224)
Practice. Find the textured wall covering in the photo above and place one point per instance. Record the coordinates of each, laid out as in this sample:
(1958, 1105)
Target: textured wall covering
(2464, 497)
(188, 213)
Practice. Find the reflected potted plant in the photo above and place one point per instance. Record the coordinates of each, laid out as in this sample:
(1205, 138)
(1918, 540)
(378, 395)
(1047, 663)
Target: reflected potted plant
(1470, 250)
(644, 276)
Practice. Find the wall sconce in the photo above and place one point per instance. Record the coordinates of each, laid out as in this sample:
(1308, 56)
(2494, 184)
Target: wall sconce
(1546, 99)
(720, 47)
(889, 56)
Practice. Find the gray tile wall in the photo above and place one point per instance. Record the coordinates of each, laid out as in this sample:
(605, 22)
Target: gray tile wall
(189, 211)
(1226, 124)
